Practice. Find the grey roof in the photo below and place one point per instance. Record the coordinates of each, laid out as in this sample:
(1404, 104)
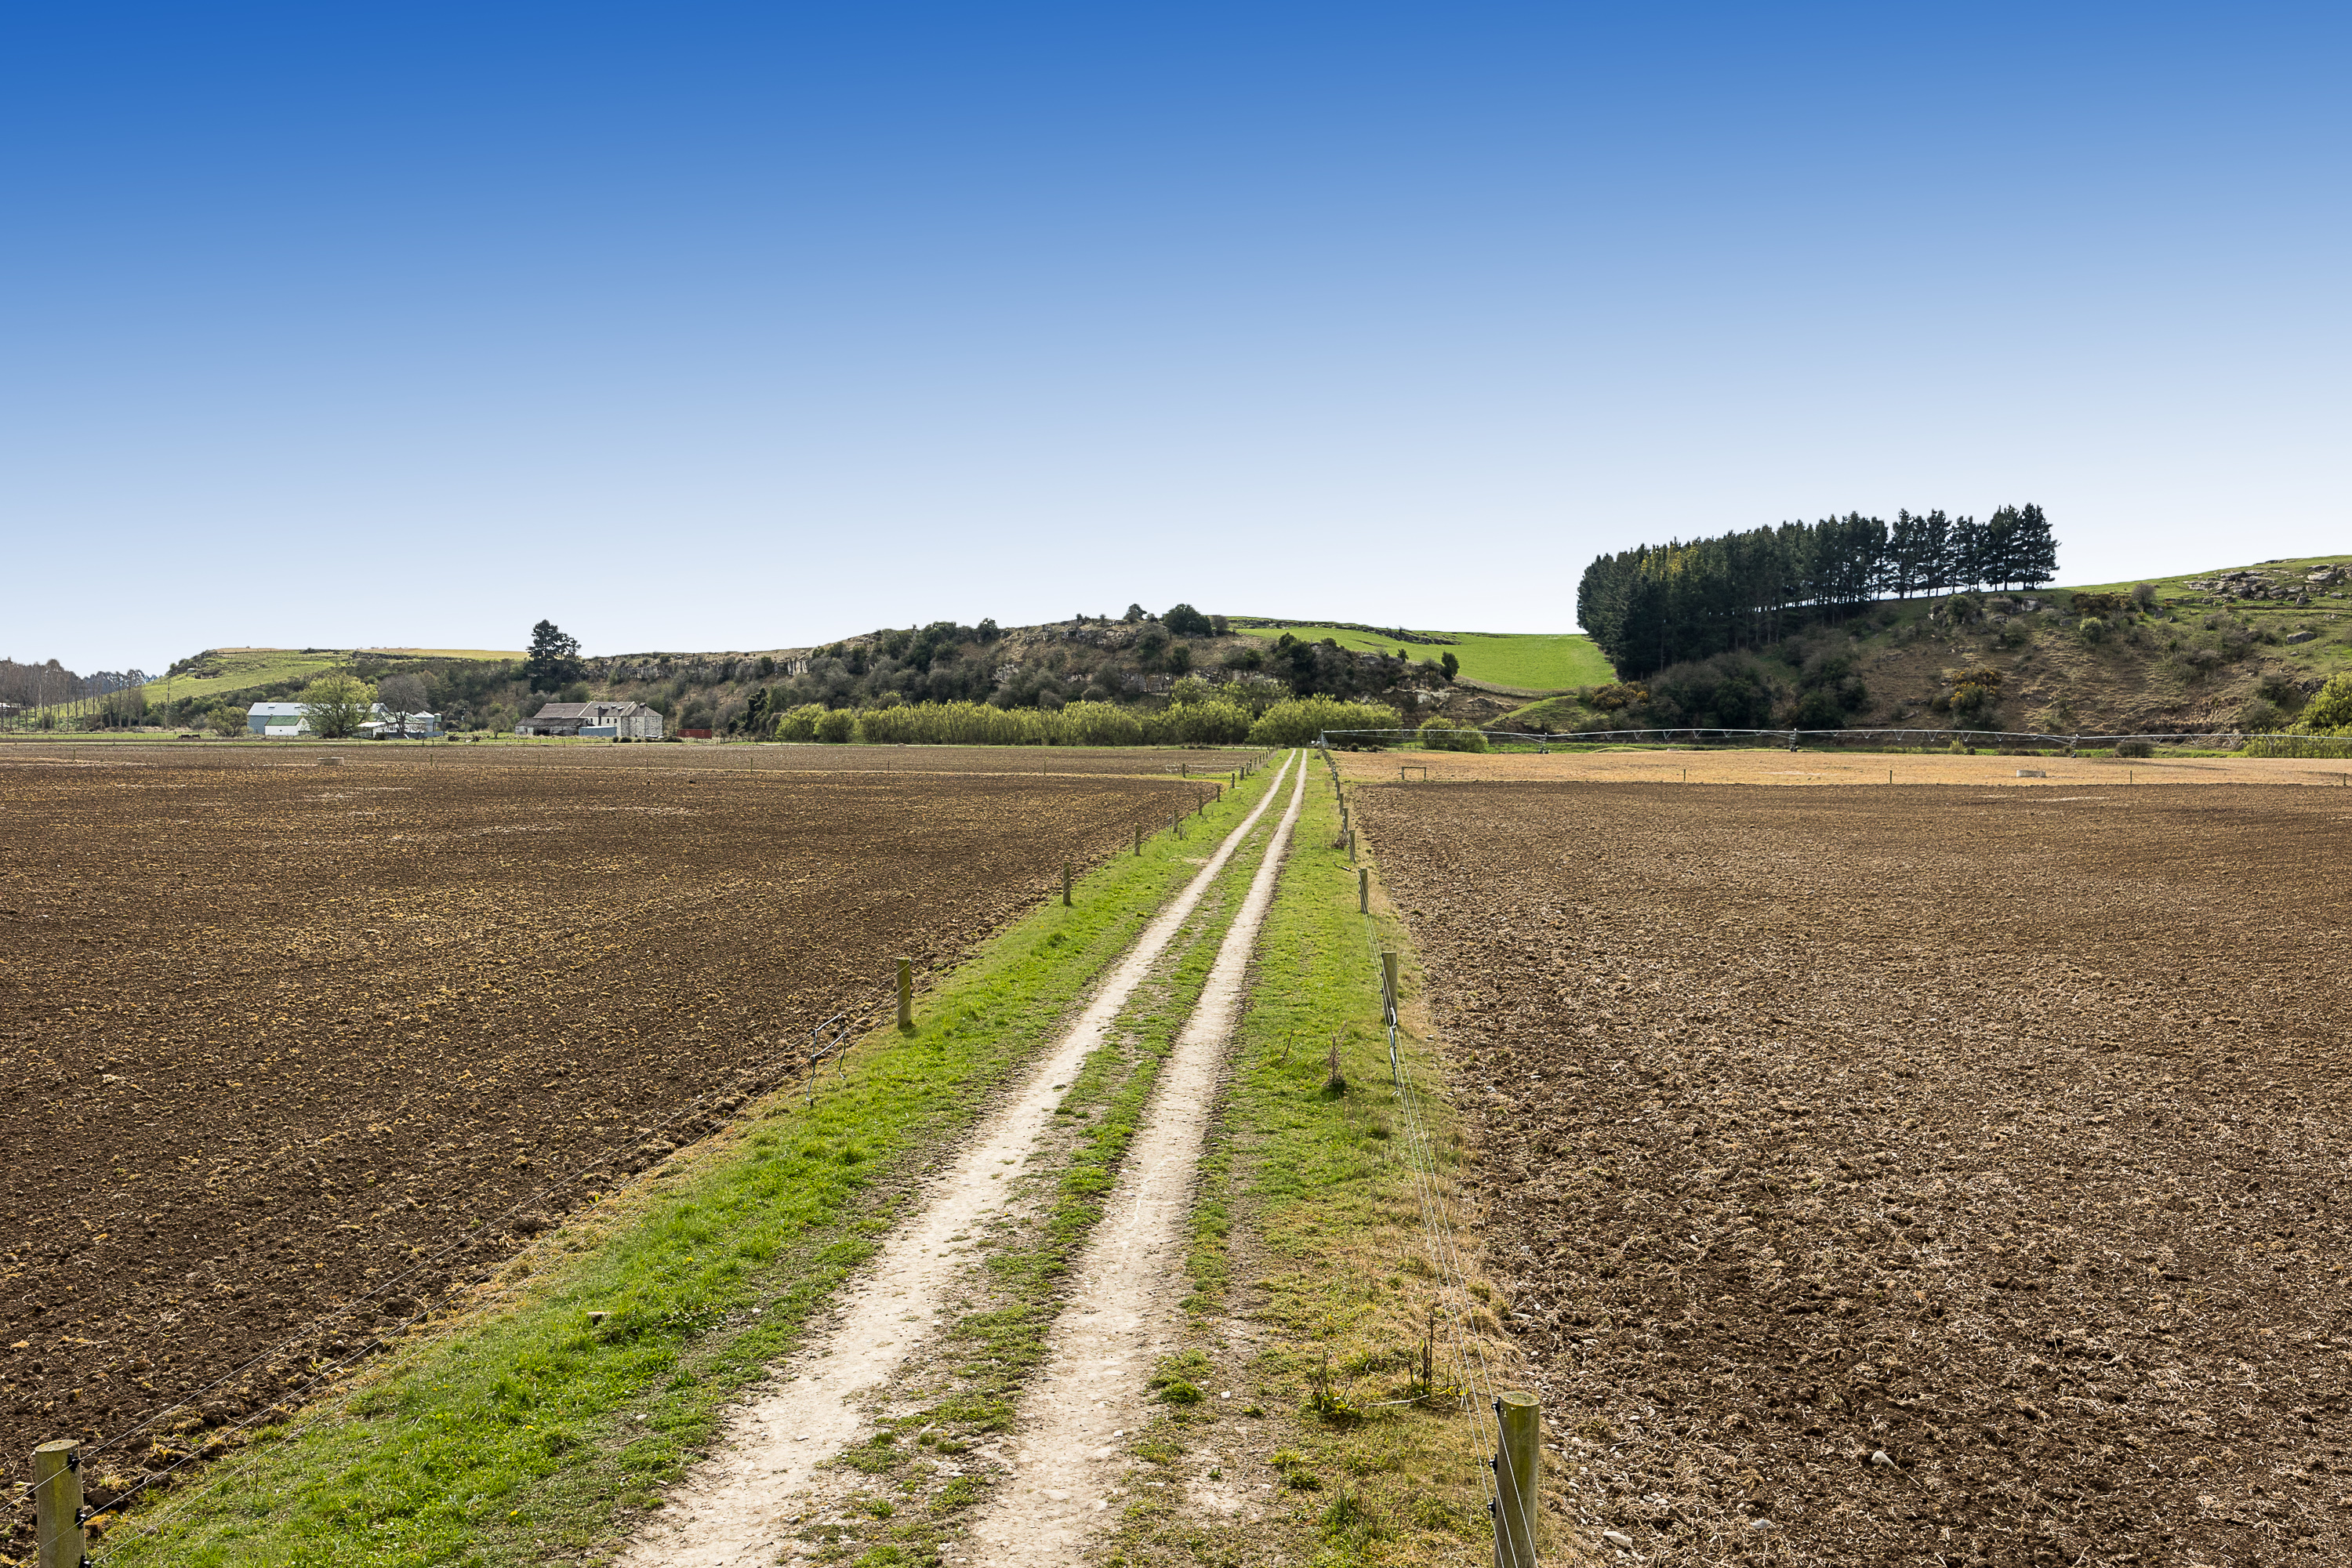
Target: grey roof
(568, 711)
(296, 710)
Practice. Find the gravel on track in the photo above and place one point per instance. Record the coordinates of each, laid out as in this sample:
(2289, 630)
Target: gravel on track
(1911, 1176)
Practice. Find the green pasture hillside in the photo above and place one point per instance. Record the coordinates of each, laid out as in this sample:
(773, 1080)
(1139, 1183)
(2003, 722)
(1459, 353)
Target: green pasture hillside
(230, 669)
(2285, 572)
(2229, 647)
(218, 672)
(1528, 662)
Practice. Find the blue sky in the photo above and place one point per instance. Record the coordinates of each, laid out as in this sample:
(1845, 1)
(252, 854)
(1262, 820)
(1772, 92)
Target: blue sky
(707, 326)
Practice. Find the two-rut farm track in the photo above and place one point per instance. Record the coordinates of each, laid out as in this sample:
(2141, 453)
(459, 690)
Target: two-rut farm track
(739, 1510)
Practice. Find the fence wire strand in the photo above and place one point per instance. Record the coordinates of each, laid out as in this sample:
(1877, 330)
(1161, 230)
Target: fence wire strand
(1453, 1296)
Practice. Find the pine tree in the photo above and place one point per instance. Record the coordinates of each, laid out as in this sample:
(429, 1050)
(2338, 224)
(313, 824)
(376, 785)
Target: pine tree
(2037, 549)
(554, 659)
(2000, 543)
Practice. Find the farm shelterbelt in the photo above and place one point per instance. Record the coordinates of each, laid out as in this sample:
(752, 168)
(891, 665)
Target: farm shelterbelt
(1910, 1175)
(274, 1033)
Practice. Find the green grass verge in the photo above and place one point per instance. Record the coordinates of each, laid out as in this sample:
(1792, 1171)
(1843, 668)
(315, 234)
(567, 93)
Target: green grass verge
(528, 1427)
(1526, 661)
(1307, 1227)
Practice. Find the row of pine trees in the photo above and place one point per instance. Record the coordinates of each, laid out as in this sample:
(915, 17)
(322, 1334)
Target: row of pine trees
(1665, 604)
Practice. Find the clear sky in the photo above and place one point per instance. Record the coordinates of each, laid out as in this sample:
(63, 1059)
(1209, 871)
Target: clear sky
(711, 326)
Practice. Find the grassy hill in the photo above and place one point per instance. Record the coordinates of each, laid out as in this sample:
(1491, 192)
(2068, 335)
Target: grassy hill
(221, 670)
(1524, 662)
(225, 670)
(2225, 649)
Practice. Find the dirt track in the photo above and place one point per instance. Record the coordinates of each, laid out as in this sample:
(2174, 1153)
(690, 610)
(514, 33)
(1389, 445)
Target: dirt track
(2000, 1133)
(269, 1032)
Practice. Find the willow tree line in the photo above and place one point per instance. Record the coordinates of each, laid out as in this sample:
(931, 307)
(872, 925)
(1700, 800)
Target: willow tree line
(1659, 605)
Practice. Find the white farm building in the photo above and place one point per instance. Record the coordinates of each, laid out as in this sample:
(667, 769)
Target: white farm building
(290, 720)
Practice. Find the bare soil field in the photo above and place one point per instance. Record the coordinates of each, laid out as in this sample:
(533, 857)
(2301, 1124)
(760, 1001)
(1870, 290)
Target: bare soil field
(1912, 1176)
(1773, 766)
(274, 1033)
(692, 756)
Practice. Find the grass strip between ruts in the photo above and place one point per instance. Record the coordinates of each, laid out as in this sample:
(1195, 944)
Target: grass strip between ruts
(520, 1429)
(1309, 1238)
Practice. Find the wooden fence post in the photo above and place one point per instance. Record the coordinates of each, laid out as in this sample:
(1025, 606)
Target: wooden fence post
(1139, 838)
(1066, 884)
(56, 1504)
(1516, 1460)
(1388, 986)
(1363, 892)
(906, 994)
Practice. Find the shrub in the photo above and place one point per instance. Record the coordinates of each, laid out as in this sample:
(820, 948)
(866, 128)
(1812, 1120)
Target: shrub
(2091, 629)
(1187, 622)
(2135, 748)
(1974, 693)
(2259, 715)
(1440, 734)
(1214, 723)
(1297, 720)
(1729, 691)
(1092, 723)
(799, 723)
(837, 726)
(1615, 697)
(1817, 709)
(2330, 712)
(2143, 594)
(229, 721)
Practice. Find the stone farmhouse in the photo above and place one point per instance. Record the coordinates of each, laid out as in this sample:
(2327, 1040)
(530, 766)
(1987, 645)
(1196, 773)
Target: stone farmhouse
(595, 720)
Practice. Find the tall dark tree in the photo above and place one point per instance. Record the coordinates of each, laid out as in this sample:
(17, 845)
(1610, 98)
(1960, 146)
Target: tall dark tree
(2037, 548)
(554, 659)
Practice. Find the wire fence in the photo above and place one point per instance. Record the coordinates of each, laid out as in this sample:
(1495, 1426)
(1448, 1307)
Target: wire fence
(1477, 1391)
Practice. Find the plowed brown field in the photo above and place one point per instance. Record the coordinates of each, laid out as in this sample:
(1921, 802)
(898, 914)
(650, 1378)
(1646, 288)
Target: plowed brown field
(1911, 1175)
(272, 1032)
(1771, 765)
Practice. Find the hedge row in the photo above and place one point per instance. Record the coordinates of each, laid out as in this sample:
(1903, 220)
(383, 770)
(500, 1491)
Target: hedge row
(1295, 722)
